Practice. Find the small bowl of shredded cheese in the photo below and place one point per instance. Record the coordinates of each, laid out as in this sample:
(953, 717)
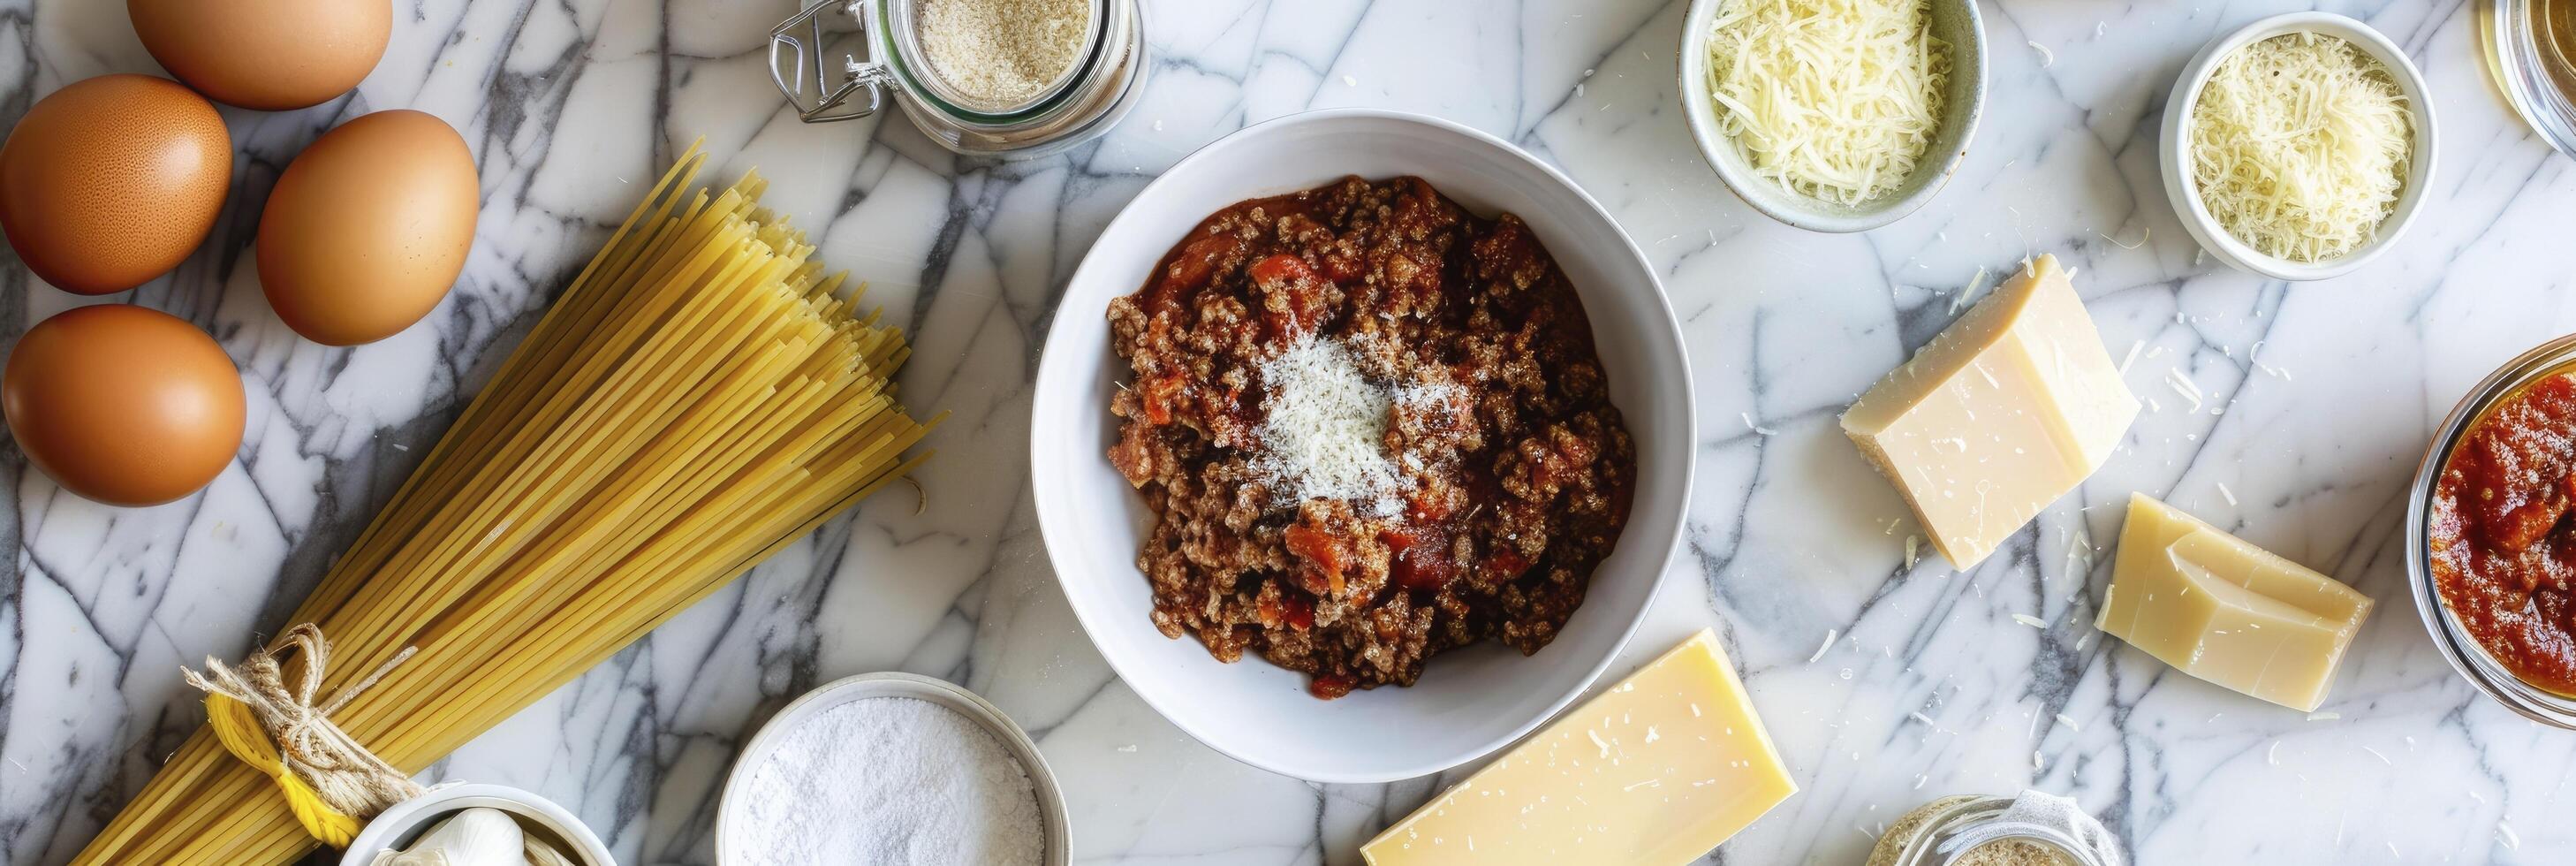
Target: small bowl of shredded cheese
(2299, 146)
(1833, 115)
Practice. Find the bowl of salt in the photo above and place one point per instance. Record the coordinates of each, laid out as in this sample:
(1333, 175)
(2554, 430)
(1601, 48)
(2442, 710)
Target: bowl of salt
(891, 768)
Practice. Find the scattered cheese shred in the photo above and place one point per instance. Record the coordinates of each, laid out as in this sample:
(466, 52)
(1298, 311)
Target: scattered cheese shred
(2300, 145)
(1833, 99)
(1975, 284)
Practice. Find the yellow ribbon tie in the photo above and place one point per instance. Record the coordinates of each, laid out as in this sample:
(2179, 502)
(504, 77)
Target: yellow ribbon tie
(242, 735)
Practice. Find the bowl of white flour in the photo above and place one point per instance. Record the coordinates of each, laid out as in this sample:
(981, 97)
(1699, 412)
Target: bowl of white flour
(890, 768)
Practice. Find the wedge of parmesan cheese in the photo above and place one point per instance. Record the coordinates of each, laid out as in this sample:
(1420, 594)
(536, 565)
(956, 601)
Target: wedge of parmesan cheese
(2226, 611)
(2003, 413)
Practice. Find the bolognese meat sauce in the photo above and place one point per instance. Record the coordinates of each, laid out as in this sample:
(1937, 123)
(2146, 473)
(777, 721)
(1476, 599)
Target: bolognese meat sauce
(1372, 427)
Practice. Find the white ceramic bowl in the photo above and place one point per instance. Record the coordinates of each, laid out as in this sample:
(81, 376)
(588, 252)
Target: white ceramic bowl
(1954, 21)
(2175, 144)
(1470, 701)
(408, 820)
(733, 801)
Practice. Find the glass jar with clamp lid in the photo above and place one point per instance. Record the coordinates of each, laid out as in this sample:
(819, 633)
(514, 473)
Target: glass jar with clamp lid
(1003, 78)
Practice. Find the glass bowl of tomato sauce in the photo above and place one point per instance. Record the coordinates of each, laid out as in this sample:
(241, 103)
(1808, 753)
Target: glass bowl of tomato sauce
(2491, 535)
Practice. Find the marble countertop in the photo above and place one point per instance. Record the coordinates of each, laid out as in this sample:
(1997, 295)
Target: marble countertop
(2321, 397)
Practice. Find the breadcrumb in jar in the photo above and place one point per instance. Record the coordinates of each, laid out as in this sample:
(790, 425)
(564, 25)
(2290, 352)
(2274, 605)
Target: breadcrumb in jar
(1003, 54)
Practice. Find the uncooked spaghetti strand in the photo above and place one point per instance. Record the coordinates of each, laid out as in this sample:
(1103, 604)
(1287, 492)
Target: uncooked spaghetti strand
(773, 417)
(729, 559)
(577, 310)
(524, 511)
(893, 431)
(572, 310)
(611, 395)
(632, 503)
(592, 354)
(515, 610)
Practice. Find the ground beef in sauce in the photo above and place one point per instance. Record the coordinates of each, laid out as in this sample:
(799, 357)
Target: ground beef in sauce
(1518, 469)
(2502, 549)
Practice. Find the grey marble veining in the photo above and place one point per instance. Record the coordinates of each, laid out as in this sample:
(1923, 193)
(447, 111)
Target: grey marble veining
(2319, 399)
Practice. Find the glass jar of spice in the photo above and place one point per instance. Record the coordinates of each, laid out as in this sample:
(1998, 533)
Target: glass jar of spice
(2034, 829)
(1012, 79)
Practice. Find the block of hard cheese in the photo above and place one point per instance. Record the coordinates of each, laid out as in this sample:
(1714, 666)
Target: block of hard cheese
(1655, 770)
(2226, 611)
(1997, 417)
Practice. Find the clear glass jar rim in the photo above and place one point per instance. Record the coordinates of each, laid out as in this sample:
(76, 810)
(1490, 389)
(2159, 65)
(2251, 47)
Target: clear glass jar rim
(1924, 849)
(2512, 50)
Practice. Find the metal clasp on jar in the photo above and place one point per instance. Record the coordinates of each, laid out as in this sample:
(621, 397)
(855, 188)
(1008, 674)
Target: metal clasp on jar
(848, 59)
(817, 86)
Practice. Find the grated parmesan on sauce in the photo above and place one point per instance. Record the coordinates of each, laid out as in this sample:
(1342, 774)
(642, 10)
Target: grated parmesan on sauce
(1323, 433)
(2300, 145)
(1833, 99)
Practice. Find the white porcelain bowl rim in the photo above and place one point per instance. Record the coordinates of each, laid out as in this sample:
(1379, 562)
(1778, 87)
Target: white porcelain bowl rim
(1065, 386)
(404, 822)
(1950, 146)
(2175, 141)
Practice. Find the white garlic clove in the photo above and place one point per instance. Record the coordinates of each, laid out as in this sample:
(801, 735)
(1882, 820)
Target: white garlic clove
(471, 837)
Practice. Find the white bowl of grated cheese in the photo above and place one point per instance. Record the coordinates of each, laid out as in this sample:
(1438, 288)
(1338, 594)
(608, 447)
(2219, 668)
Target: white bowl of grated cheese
(2175, 145)
(1472, 700)
(1815, 111)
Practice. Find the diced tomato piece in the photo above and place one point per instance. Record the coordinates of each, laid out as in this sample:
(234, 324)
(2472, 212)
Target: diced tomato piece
(1300, 612)
(1280, 268)
(1161, 394)
(1197, 262)
(1422, 558)
(1295, 295)
(1290, 607)
(1318, 549)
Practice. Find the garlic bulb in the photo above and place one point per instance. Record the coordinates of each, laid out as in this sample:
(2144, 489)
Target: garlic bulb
(471, 837)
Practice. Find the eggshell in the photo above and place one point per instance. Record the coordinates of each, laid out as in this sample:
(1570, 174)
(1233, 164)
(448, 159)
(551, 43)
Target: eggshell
(368, 228)
(122, 404)
(270, 55)
(112, 181)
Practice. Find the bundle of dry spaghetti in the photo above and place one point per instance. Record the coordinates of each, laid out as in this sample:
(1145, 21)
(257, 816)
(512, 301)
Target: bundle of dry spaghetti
(699, 398)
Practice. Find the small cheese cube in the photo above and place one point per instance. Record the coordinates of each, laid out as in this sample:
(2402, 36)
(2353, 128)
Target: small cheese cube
(2225, 611)
(1997, 417)
(1655, 770)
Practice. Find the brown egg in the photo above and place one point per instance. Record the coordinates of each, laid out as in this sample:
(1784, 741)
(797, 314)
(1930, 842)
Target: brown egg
(270, 55)
(368, 228)
(123, 405)
(112, 181)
